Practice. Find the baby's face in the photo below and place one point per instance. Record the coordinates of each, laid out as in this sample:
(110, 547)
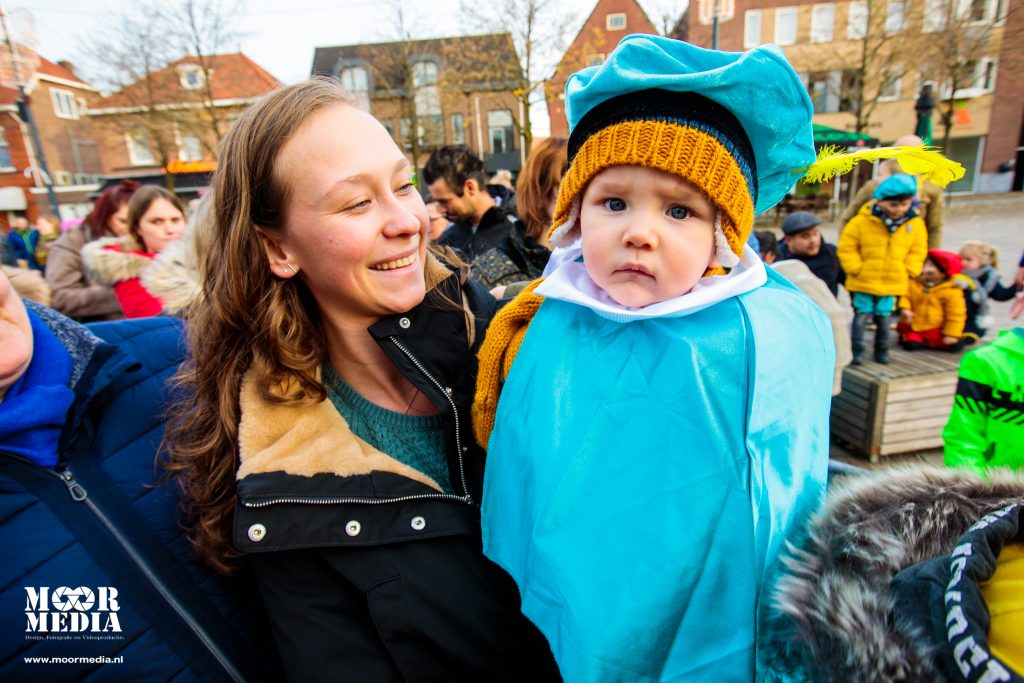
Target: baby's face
(648, 235)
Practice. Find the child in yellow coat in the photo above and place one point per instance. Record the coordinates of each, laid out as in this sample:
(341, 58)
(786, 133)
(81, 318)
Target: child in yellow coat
(933, 312)
(881, 249)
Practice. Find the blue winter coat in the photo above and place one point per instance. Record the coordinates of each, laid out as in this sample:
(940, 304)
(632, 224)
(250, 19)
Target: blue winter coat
(23, 247)
(100, 521)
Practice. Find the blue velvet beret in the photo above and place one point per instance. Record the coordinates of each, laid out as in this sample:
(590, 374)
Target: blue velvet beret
(896, 186)
(759, 87)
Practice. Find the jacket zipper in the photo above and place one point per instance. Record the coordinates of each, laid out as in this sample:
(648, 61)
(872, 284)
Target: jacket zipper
(326, 500)
(80, 495)
(451, 401)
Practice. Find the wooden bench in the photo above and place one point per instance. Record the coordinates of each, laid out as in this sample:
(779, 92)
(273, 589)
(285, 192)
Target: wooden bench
(895, 408)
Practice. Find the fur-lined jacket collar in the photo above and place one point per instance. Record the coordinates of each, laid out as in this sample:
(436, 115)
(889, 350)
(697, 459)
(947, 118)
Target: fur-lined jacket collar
(110, 260)
(306, 440)
(831, 614)
(173, 276)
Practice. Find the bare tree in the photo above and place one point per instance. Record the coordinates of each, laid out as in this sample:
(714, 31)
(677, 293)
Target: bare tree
(207, 28)
(884, 54)
(960, 58)
(538, 29)
(129, 57)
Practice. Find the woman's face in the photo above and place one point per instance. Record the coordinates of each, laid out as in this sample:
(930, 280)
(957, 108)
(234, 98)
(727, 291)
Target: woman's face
(355, 226)
(15, 336)
(162, 223)
(118, 221)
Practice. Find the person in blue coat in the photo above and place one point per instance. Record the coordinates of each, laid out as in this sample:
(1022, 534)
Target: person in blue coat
(98, 580)
(22, 242)
(649, 449)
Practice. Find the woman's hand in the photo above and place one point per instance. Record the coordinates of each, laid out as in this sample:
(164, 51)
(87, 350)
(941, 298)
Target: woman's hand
(906, 316)
(499, 291)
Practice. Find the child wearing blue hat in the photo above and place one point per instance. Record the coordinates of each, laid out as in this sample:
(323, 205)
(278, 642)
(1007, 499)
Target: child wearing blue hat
(648, 453)
(880, 249)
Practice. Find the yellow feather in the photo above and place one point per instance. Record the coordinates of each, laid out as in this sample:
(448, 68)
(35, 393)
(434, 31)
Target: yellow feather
(916, 160)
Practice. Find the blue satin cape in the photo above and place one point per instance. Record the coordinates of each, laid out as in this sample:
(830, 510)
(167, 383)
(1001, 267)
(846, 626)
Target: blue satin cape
(642, 476)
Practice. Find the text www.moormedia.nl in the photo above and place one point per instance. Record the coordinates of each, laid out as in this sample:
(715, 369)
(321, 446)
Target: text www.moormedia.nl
(74, 660)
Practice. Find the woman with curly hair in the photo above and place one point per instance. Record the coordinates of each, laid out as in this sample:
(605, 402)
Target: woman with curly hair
(324, 430)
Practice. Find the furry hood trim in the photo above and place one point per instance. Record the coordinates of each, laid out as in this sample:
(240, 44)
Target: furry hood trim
(831, 615)
(110, 260)
(173, 276)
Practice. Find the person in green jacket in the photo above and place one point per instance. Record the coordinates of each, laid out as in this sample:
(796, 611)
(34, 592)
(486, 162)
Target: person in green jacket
(986, 427)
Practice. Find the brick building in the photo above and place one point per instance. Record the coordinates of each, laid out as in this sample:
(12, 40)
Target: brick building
(57, 99)
(176, 129)
(459, 90)
(826, 40)
(609, 22)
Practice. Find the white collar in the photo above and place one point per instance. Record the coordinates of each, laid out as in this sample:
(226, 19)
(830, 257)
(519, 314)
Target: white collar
(569, 281)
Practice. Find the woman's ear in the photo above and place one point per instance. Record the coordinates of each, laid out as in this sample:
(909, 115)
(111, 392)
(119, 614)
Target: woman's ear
(282, 263)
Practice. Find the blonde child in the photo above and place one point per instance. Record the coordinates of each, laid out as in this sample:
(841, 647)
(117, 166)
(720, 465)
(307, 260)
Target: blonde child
(979, 281)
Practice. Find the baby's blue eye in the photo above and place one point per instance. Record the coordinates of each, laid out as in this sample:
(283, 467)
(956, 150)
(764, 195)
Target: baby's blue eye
(615, 204)
(679, 212)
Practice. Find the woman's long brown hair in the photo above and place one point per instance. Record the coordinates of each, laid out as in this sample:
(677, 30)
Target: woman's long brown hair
(248, 320)
(538, 183)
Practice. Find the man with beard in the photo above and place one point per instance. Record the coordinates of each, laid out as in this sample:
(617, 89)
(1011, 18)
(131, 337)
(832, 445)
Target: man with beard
(455, 178)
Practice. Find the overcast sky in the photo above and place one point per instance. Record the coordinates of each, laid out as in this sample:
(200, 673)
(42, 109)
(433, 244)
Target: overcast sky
(281, 36)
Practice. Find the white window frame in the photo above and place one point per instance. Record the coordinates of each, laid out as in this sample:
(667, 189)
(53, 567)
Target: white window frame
(823, 22)
(787, 12)
(138, 142)
(65, 105)
(187, 70)
(896, 84)
(352, 87)
(457, 123)
(508, 132)
(1001, 9)
(983, 65)
(183, 149)
(751, 37)
(936, 14)
(977, 87)
(424, 73)
(9, 166)
(988, 15)
(857, 20)
(896, 17)
(613, 18)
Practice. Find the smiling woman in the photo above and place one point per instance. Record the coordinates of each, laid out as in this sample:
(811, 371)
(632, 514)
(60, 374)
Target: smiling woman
(324, 432)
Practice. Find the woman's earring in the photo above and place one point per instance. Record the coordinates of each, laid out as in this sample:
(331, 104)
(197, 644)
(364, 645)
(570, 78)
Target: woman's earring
(288, 268)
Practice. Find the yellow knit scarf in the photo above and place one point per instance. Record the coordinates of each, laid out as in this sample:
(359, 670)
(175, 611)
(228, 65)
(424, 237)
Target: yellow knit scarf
(504, 337)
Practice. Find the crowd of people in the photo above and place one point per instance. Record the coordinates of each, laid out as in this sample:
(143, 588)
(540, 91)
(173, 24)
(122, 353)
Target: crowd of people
(533, 428)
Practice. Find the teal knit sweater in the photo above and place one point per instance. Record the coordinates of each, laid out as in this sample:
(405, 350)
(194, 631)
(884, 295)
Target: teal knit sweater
(417, 441)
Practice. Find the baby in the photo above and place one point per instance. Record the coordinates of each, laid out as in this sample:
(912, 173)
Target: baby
(650, 450)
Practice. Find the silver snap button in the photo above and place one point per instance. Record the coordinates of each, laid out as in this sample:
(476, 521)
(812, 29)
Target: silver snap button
(257, 532)
(404, 323)
(418, 523)
(353, 528)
